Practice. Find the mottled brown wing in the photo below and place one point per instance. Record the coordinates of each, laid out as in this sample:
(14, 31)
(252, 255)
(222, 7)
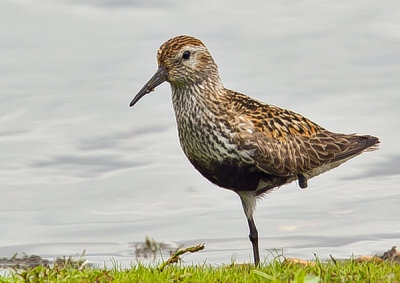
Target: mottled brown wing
(285, 143)
(301, 154)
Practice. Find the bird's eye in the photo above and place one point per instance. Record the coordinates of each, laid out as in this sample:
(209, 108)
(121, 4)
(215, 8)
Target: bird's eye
(186, 55)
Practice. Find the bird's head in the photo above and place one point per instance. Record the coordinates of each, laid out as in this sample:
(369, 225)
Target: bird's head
(182, 60)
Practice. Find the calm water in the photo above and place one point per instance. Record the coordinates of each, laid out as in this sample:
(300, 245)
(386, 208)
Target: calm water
(79, 169)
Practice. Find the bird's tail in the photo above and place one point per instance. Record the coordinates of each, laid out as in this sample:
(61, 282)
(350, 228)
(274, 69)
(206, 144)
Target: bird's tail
(357, 145)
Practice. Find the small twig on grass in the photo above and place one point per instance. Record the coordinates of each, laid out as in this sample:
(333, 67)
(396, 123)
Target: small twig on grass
(333, 259)
(175, 257)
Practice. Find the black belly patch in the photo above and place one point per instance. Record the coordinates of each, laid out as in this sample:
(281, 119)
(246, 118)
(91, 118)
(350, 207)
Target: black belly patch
(233, 175)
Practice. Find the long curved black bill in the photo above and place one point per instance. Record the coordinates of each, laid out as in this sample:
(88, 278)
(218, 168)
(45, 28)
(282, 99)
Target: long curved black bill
(158, 78)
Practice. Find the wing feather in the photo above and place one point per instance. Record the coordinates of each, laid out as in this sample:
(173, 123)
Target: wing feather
(284, 143)
(301, 154)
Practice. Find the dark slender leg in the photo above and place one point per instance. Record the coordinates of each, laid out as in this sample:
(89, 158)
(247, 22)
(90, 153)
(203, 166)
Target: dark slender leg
(253, 236)
(248, 199)
(302, 181)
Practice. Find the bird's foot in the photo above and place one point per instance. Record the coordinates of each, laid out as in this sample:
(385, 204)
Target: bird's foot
(302, 181)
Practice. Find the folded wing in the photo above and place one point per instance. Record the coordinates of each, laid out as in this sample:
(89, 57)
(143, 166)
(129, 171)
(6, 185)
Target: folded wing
(301, 154)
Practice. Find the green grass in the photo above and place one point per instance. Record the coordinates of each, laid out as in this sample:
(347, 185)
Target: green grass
(275, 271)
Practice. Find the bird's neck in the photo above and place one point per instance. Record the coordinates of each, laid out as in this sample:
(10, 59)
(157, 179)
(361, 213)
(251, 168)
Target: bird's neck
(197, 109)
(198, 94)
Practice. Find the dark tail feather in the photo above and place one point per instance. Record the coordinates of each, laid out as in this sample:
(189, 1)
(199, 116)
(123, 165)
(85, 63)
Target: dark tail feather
(358, 145)
(373, 143)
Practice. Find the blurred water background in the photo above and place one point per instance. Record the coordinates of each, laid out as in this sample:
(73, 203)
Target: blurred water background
(79, 169)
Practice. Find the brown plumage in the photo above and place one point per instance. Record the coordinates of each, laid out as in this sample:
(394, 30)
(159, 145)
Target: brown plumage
(239, 143)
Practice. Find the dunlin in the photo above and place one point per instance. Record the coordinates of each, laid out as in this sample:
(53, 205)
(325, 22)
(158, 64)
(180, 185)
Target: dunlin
(239, 143)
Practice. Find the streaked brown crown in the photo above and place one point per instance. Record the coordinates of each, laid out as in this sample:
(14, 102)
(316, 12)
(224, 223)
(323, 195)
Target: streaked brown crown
(175, 44)
(198, 66)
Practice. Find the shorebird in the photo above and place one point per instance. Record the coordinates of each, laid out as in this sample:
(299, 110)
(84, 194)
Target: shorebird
(237, 142)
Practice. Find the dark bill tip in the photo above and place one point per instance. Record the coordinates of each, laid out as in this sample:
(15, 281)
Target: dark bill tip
(158, 78)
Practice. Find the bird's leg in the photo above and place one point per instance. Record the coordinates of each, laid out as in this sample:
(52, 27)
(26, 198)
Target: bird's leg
(249, 204)
(302, 181)
(253, 236)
